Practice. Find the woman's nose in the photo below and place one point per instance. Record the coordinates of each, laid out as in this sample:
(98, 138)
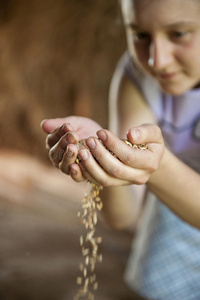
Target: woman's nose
(160, 54)
(151, 59)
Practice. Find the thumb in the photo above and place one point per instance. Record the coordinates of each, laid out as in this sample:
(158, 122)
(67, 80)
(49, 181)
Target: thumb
(146, 133)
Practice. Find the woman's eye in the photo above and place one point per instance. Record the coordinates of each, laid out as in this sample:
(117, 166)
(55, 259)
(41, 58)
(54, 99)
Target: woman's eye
(141, 36)
(178, 34)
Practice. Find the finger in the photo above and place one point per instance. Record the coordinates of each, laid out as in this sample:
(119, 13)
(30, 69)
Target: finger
(76, 173)
(57, 151)
(87, 175)
(49, 125)
(108, 170)
(132, 157)
(56, 134)
(68, 158)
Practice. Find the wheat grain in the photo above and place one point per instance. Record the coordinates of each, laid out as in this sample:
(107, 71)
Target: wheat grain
(89, 244)
(91, 204)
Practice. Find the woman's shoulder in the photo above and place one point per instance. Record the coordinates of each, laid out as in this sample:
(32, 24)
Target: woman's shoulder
(129, 68)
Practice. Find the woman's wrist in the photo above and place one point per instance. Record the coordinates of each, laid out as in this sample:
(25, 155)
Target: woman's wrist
(161, 171)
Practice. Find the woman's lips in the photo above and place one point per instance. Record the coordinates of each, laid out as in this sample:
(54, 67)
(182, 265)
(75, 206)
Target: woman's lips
(167, 76)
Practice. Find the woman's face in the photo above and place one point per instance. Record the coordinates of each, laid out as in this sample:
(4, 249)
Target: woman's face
(165, 37)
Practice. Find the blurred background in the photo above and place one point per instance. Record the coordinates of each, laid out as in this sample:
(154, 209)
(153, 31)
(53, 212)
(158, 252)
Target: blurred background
(56, 59)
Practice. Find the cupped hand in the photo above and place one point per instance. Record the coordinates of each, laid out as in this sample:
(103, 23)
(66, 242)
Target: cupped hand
(63, 135)
(127, 165)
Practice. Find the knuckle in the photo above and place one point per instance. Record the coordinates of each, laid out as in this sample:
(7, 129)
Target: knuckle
(151, 169)
(78, 179)
(157, 131)
(142, 179)
(154, 167)
(60, 154)
(56, 155)
(120, 145)
(116, 172)
(52, 154)
(63, 168)
(47, 143)
(104, 182)
(47, 146)
(50, 140)
(129, 158)
(152, 131)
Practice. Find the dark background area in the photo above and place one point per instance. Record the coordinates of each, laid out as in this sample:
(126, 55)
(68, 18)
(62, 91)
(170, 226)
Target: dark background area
(56, 59)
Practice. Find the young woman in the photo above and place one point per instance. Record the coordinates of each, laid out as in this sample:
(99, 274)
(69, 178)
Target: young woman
(157, 84)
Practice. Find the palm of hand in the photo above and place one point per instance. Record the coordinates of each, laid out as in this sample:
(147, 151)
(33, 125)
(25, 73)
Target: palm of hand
(84, 127)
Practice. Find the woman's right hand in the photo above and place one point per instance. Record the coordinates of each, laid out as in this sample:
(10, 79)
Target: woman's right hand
(63, 135)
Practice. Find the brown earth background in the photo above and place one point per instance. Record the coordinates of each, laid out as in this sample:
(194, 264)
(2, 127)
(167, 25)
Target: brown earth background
(56, 59)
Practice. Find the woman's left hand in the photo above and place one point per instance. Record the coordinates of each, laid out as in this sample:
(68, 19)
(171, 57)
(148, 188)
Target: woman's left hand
(128, 165)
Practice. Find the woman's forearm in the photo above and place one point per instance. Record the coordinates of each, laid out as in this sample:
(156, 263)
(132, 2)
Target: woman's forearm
(177, 186)
(122, 206)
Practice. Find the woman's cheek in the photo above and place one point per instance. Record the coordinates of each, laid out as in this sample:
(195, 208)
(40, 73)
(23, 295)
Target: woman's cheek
(142, 55)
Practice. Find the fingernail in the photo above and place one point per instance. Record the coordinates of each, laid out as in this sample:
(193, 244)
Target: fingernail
(73, 172)
(64, 127)
(69, 153)
(102, 135)
(70, 138)
(135, 133)
(67, 126)
(42, 122)
(91, 143)
(83, 154)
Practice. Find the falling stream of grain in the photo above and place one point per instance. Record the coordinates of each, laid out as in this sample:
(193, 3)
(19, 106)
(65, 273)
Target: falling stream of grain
(91, 204)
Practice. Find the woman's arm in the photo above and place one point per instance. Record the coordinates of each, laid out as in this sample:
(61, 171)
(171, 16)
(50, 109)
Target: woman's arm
(177, 186)
(175, 183)
(127, 109)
